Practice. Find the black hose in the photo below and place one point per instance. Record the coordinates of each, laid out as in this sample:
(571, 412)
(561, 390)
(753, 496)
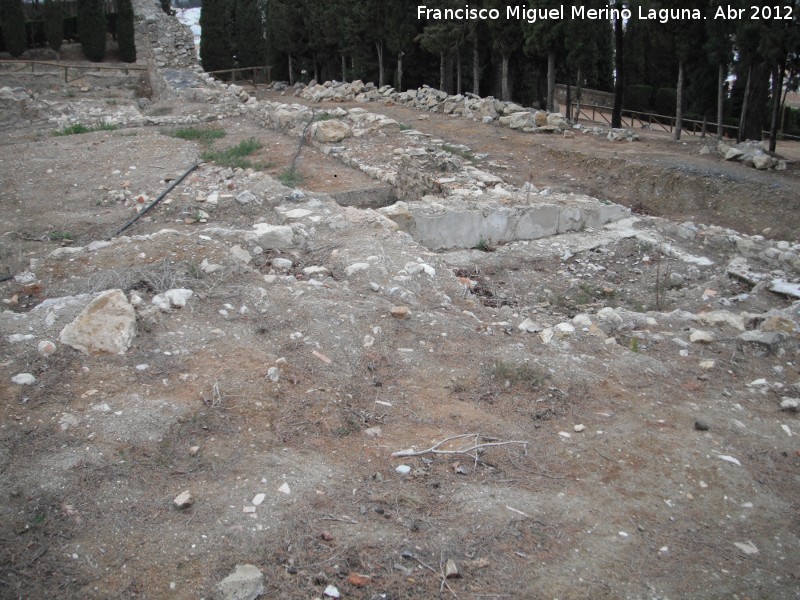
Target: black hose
(133, 220)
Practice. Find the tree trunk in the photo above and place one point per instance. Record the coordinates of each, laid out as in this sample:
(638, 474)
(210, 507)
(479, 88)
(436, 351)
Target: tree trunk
(505, 92)
(619, 79)
(381, 70)
(743, 116)
(441, 70)
(568, 112)
(679, 103)
(551, 82)
(783, 102)
(449, 73)
(291, 73)
(777, 84)
(458, 71)
(720, 102)
(344, 67)
(316, 68)
(578, 94)
(399, 74)
(476, 66)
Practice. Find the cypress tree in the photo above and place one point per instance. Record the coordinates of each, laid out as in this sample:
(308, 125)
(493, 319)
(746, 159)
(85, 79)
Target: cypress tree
(13, 21)
(250, 46)
(215, 36)
(92, 29)
(54, 24)
(125, 35)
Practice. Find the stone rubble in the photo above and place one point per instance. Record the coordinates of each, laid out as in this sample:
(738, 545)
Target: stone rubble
(751, 154)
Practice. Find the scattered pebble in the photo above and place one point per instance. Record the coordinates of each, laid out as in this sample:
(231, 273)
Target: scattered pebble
(23, 379)
(700, 425)
(284, 489)
(790, 404)
(403, 469)
(746, 547)
(399, 312)
(451, 569)
(184, 500)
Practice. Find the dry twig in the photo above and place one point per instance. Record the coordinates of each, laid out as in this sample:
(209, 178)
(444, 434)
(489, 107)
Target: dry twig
(435, 449)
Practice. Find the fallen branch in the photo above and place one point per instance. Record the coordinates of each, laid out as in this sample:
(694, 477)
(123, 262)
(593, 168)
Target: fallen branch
(435, 448)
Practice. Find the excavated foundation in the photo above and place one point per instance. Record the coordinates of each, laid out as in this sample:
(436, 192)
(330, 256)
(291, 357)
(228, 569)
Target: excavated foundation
(456, 222)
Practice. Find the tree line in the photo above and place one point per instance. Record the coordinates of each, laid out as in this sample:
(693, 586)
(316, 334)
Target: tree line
(47, 24)
(730, 71)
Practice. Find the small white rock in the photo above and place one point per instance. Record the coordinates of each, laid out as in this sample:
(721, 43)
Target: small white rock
(356, 268)
(46, 347)
(790, 404)
(15, 338)
(282, 263)
(331, 592)
(284, 489)
(24, 379)
(184, 499)
(258, 499)
(403, 469)
(747, 548)
(697, 336)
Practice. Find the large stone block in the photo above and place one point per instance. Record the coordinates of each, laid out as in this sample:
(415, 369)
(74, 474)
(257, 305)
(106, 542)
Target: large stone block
(330, 132)
(106, 326)
(459, 223)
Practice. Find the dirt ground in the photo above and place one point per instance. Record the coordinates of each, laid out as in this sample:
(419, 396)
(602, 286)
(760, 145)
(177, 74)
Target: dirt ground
(624, 463)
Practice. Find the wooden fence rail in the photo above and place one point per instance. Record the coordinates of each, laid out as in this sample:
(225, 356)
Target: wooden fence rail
(22, 65)
(255, 71)
(633, 119)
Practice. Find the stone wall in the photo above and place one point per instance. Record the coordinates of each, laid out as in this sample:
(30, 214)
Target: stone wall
(162, 42)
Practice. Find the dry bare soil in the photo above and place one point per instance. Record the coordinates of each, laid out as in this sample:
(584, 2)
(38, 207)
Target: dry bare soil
(592, 481)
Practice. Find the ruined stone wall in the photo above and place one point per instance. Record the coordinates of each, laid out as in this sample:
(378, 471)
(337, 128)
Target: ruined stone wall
(162, 42)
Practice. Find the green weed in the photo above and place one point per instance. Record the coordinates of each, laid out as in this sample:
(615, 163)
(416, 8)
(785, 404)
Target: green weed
(483, 245)
(61, 236)
(528, 375)
(291, 178)
(455, 150)
(79, 128)
(235, 156)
